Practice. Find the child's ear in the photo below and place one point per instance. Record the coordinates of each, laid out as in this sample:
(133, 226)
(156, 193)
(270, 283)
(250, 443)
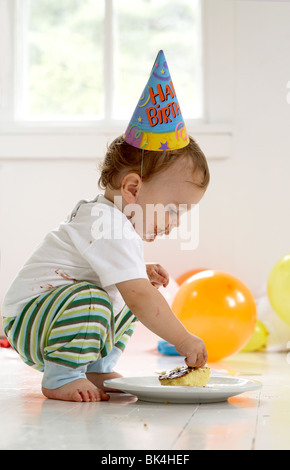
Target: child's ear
(130, 187)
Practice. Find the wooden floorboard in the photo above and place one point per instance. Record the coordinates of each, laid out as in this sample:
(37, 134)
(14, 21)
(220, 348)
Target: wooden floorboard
(251, 421)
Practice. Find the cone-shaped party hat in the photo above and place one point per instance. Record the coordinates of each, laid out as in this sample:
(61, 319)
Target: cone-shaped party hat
(157, 122)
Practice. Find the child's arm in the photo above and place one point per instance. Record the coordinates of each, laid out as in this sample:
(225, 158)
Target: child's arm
(150, 307)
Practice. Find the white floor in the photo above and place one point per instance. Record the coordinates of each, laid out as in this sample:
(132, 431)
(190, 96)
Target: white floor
(253, 420)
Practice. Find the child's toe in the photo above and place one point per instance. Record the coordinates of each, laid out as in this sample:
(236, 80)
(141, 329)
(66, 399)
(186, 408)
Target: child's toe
(94, 395)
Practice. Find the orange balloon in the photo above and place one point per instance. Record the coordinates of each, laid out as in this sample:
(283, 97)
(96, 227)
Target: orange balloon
(218, 308)
(183, 277)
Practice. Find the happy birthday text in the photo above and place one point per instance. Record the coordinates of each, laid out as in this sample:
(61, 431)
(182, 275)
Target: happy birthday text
(156, 114)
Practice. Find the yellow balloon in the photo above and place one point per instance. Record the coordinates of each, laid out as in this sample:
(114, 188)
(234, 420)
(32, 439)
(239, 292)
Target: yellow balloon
(279, 288)
(258, 339)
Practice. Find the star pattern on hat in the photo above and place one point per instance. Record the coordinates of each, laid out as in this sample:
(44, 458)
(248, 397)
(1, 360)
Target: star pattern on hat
(164, 146)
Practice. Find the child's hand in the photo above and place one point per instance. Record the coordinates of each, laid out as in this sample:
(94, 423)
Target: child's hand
(158, 276)
(194, 350)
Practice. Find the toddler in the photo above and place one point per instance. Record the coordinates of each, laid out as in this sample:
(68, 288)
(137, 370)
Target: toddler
(73, 306)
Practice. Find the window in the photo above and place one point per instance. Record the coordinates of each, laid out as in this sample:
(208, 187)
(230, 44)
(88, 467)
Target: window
(72, 71)
(82, 60)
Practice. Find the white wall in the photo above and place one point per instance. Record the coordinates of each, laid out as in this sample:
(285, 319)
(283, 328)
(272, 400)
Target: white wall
(244, 217)
(261, 164)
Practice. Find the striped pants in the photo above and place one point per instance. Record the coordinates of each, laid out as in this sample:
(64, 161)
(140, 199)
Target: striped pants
(72, 326)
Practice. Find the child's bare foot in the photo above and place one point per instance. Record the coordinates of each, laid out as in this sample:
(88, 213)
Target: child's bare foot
(77, 390)
(97, 378)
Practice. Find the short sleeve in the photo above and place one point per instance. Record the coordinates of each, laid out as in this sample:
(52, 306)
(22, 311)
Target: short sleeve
(107, 240)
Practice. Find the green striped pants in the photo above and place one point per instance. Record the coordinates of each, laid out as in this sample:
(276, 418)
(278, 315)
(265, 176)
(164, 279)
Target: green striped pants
(71, 326)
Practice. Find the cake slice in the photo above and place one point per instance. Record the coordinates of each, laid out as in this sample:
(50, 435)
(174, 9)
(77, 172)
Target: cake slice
(186, 376)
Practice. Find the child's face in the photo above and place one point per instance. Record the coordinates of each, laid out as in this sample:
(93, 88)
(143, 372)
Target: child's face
(165, 198)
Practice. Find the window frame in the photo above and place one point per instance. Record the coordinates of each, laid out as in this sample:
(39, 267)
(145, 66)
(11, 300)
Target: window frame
(88, 139)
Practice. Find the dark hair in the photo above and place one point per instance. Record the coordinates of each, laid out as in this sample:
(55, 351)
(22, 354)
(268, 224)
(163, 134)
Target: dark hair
(122, 158)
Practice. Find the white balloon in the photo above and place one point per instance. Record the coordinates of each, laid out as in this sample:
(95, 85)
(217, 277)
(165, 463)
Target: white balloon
(279, 332)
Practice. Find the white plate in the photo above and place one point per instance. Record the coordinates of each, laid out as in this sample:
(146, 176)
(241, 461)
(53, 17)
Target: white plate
(149, 389)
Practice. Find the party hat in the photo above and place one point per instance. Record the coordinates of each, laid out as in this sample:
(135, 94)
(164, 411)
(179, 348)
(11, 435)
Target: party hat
(157, 122)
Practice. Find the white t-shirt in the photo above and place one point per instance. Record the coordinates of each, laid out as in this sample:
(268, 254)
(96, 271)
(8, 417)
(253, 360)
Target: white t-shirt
(97, 243)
